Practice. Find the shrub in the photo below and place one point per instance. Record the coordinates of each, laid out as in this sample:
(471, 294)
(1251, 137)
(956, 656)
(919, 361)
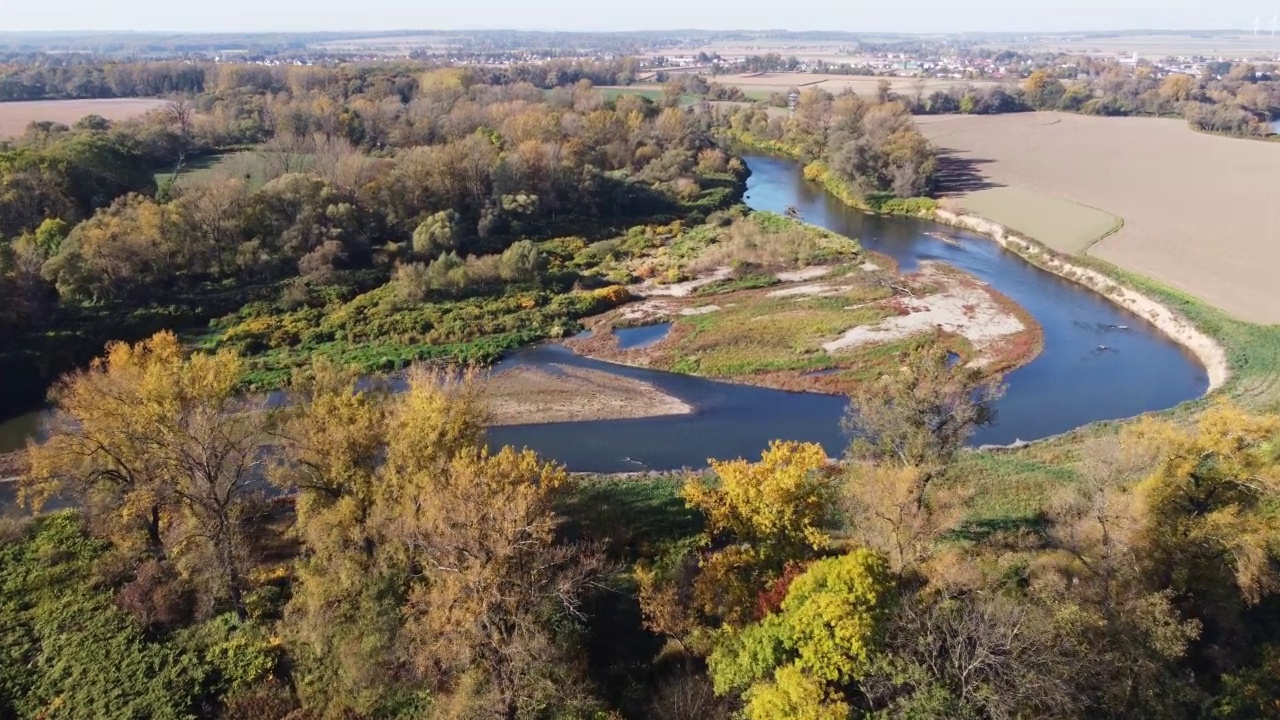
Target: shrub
(157, 597)
(521, 263)
(320, 264)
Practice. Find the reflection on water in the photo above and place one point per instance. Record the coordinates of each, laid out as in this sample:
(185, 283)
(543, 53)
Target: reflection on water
(641, 337)
(15, 431)
(1099, 362)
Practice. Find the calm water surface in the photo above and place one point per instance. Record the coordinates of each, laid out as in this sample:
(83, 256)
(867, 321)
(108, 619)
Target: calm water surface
(1099, 362)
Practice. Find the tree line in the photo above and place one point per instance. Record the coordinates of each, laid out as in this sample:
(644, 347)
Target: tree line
(58, 77)
(871, 144)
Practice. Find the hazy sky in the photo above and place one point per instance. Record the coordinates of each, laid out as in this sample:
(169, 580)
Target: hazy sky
(851, 15)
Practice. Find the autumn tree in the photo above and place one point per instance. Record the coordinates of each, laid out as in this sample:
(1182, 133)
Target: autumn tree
(919, 415)
(1205, 531)
(760, 516)
(209, 209)
(806, 660)
(163, 453)
(1177, 87)
(482, 621)
(430, 563)
(122, 252)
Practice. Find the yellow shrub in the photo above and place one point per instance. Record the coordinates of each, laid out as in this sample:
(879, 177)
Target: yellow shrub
(614, 294)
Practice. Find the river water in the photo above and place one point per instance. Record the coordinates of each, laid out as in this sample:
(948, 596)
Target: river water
(1099, 362)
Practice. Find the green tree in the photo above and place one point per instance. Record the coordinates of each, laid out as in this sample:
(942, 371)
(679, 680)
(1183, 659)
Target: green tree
(438, 234)
(807, 659)
(522, 263)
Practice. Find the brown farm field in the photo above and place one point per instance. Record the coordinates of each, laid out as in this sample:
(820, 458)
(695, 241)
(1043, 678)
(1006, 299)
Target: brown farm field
(1201, 213)
(15, 116)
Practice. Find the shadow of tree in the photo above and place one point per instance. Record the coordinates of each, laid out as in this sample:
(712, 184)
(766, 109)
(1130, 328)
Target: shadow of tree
(957, 174)
(988, 529)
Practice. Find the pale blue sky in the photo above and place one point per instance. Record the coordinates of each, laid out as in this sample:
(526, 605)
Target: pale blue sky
(851, 15)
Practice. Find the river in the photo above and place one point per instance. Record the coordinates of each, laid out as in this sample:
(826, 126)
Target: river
(1099, 362)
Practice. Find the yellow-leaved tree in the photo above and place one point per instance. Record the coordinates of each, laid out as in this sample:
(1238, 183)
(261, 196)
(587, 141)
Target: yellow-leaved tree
(433, 568)
(163, 454)
(804, 660)
(760, 517)
(343, 614)
(1207, 527)
(1206, 507)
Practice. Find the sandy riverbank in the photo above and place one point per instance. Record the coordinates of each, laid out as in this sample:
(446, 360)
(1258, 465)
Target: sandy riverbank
(557, 393)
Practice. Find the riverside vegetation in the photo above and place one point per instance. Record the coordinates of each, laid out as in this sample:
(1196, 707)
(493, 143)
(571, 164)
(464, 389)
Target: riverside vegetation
(1123, 572)
(417, 574)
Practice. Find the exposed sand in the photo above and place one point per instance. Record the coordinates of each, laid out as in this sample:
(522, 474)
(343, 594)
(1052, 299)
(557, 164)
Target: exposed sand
(15, 116)
(1201, 212)
(963, 306)
(569, 394)
(806, 290)
(649, 288)
(803, 274)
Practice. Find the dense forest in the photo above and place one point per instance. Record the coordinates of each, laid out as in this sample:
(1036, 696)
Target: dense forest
(201, 551)
(342, 184)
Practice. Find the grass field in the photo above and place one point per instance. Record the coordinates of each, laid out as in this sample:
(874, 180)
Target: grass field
(1062, 225)
(250, 164)
(1200, 211)
(650, 92)
(15, 116)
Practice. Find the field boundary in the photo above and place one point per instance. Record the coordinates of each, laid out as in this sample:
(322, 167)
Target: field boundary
(1179, 328)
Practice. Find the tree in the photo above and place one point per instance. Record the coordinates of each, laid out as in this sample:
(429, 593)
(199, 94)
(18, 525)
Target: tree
(1205, 532)
(521, 263)
(1042, 90)
(496, 582)
(162, 449)
(1177, 87)
(209, 209)
(438, 234)
(920, 415)
(344, 614)
(881, 510)
(759, 517)
(806, 659)
(122, 253)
